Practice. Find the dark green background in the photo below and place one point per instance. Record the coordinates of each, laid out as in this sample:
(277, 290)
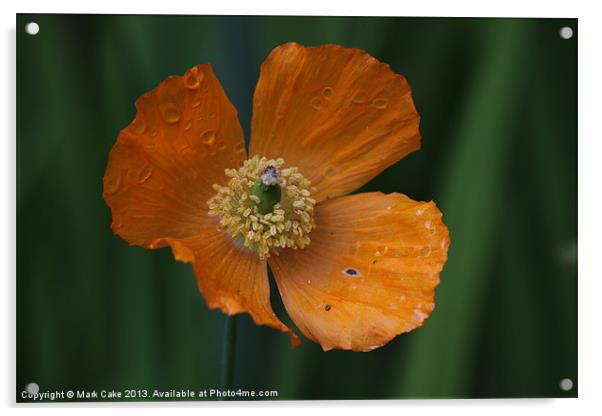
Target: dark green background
(498, 100)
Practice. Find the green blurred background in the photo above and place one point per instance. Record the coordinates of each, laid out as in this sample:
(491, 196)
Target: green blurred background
(498, 100)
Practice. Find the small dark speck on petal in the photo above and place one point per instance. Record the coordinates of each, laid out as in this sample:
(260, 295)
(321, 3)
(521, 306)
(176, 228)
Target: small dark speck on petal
(327, 307)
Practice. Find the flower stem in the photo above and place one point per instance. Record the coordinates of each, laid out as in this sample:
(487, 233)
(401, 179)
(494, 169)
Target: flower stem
(228, 352)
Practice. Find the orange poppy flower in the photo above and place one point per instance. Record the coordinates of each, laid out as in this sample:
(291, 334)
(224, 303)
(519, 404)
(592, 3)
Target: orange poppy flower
(353, 271)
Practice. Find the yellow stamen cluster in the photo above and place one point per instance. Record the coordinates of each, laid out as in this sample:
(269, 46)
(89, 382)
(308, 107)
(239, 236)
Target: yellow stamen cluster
(288, 224)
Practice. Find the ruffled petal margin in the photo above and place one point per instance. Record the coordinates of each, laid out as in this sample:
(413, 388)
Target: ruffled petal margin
(230, 278)
(336, 113)
(161, 169)
(369, 274)
(158, 180)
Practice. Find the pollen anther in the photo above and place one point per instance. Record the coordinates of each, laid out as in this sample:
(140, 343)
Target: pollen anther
(287, 225)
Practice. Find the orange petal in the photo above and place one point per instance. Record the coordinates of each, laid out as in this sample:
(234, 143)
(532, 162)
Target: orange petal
(160, 170)
(230, 278)
(338, 114)
(370, 272)
(160, 176)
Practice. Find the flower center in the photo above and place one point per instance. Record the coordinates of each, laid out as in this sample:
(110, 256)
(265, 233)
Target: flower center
(265, 206)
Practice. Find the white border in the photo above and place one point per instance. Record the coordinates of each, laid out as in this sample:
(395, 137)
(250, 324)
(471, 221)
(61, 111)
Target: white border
(508, 8)
(590, 136)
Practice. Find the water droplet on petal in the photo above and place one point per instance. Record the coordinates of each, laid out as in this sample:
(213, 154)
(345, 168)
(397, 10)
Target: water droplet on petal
(360, 97)
(221, 145)
(425, 251)
(380, 103)
(427, 224)
(208, 137)
(212, 115)
(316, 102)
(419, 316)
(382, 250)
(154, 133)
(144, 174)
(193, 79)
(171, 114)
(149, 145)
(188, 125)
(327, 92)
(113, 184)
(196, 103)
(138, 126)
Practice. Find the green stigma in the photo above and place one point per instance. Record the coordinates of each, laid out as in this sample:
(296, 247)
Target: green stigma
(267, 189)
(264, 208)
